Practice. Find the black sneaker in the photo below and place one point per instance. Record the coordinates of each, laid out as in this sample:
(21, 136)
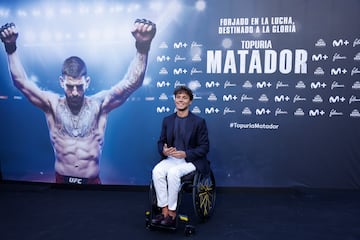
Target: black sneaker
(158, 218)
(168, 221)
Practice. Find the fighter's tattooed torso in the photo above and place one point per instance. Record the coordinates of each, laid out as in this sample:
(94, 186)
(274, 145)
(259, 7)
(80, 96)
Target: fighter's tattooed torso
(79, 125)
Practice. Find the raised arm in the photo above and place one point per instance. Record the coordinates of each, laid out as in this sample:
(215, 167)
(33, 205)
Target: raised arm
(39, 98)
(143, 32)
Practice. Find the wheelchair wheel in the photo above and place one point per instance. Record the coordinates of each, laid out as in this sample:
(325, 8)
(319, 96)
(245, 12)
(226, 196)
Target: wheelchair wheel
(204, 195)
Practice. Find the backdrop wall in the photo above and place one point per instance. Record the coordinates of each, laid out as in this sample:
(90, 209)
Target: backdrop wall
(278, 83)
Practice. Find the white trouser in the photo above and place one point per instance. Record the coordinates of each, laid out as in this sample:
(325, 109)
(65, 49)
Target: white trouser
(166, 177)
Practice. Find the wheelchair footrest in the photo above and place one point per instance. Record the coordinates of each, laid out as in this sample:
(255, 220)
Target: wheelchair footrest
(188, 230)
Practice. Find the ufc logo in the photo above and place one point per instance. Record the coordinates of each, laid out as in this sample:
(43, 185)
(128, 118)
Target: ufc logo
(75, 180)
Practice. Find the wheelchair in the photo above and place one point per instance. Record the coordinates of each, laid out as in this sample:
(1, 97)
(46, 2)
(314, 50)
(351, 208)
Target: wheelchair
(203, 190)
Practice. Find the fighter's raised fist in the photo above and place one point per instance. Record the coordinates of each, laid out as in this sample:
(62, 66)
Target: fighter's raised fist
(143, 32)
(8, 33)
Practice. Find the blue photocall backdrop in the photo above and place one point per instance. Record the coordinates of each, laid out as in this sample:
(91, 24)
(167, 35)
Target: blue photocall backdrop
(278, 83)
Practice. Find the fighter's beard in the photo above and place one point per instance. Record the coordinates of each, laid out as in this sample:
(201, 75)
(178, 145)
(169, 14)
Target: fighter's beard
(75, 104)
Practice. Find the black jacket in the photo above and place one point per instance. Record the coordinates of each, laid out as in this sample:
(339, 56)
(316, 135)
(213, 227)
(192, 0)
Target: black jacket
(196, 140)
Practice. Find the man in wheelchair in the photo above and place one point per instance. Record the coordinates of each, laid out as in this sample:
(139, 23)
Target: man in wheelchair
(183, 146)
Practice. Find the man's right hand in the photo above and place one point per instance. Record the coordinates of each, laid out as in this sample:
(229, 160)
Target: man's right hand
(167, 151)
(8, 35)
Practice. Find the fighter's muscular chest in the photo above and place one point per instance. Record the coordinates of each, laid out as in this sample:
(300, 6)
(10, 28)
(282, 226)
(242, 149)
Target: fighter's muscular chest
(77, 125)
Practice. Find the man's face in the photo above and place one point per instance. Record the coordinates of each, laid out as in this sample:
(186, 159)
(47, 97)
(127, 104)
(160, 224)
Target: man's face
(74, 89)
(182, 101)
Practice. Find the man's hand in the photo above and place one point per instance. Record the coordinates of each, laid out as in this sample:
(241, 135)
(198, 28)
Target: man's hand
(179, 154)
(167, 151)
(143, 32)
(8, 35)
(172, 152)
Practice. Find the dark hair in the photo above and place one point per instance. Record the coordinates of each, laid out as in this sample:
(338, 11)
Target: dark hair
(74, 67)
(184, 89)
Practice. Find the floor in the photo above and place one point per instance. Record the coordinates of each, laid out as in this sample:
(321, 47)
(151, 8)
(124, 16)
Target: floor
(43, 211)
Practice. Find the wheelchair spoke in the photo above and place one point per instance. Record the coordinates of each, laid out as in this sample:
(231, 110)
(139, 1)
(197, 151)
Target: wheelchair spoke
(205, 196)
(205, 203)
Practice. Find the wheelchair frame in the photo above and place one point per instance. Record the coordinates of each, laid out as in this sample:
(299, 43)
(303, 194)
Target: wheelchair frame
(203, 189)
